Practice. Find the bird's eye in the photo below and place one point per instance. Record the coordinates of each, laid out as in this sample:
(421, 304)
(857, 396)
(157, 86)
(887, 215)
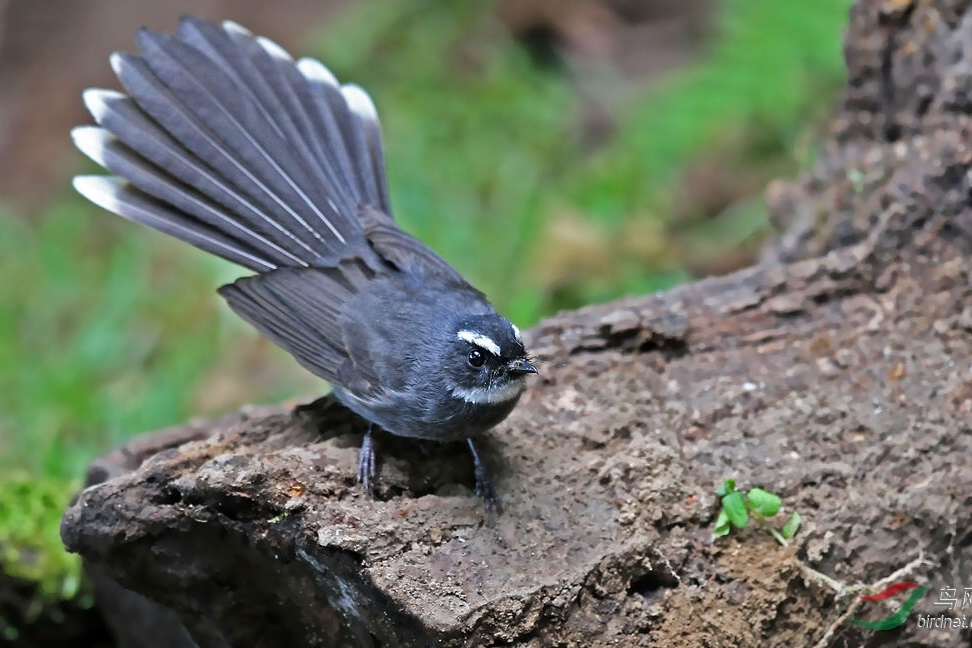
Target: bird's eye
(476, 358)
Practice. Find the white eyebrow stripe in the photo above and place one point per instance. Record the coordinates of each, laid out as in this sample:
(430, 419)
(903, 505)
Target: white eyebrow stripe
(516, 332)
(479, 340)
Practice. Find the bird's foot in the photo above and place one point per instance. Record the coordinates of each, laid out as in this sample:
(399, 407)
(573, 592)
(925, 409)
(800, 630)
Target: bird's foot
(484, 485)
(366, 461)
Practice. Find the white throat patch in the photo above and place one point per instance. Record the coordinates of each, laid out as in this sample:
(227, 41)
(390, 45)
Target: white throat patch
(490, 395)
(480, 340)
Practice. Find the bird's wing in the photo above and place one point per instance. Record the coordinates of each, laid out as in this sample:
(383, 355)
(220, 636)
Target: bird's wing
(407, 253)
(301, 311)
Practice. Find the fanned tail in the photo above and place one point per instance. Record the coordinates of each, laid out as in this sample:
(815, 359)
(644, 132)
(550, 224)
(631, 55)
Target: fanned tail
(226, 143)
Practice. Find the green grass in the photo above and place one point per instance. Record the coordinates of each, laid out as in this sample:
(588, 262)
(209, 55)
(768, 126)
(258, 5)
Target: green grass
(107, 330)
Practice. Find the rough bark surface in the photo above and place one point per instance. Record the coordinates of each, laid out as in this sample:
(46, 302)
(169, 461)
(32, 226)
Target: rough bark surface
(838, 374)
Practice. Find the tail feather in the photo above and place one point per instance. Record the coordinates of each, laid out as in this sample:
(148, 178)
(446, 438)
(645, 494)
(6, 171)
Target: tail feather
(374, 171)
(343, 132)
(119, 114)
(108, 151)
(216, 44)
(223, 132)
(160, 106)
(208, 94)
(116, 195)
(266, 75)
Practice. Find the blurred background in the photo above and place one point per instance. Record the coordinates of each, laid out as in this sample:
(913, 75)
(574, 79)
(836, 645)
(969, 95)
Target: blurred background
(558, 152)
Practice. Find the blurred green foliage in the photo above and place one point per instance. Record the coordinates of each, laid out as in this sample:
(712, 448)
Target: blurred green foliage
(100, 339)
(26, 534)
(101, 336)
(106, 330)
(485, 149)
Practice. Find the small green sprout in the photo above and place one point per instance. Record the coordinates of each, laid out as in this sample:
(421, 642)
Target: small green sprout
(856, 179)
(737, 506)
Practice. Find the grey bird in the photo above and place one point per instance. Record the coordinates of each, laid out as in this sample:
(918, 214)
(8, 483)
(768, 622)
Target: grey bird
(222, 140)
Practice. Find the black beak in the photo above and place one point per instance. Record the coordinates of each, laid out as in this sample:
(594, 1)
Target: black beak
(522, 366)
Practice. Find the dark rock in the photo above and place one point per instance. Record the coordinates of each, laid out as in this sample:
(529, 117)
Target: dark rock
(28, 619)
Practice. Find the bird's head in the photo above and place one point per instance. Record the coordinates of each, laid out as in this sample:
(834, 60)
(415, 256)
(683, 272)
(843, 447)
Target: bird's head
(488, 364)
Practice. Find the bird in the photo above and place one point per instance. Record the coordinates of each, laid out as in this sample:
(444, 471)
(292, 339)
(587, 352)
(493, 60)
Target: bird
(222, 140)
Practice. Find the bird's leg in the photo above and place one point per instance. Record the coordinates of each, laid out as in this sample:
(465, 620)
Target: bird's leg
(366, 460)
(484, 487)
